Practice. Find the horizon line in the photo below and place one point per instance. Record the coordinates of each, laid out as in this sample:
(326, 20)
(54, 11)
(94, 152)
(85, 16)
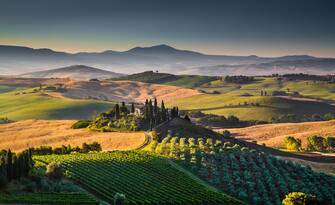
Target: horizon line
(162, 44)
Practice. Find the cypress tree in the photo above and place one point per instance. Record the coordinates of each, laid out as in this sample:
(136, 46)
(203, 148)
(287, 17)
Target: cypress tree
(124, 109)
(151, 112)
(155, 107)
(3, 173)
(117, 111)
(16, 168)
(158, 118)
(3, 169)
(9, 165)
(163, 111)
(146, 110)
(132, 108)
(21, 165)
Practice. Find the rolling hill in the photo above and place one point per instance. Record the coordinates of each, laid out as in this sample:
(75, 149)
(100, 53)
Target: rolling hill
(77, 72)
(22, 98)
(189, 81)
(250, 107)
(273, 135)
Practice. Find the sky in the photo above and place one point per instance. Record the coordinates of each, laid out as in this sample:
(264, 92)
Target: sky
(229, 27)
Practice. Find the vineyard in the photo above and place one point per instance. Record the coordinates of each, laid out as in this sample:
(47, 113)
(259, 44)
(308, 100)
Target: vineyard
(48, 198)
(247, 174)
(144, 178)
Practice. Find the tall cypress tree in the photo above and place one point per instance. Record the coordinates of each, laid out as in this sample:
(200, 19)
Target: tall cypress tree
(132, 108)
(151, 111)
(163, 111)
(9, 165)
(3, 168)
(16, 168)
(155, 107)
(21, 165)
(123, 108)
(146, 110)
(117, 111)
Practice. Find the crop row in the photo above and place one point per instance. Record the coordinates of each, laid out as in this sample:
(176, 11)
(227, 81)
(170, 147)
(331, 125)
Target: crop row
(144, 178)
(48, 198)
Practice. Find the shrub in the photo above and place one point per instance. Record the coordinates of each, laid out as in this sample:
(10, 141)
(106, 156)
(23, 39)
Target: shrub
(54, 171)
(119, 199)
(299, 198)
(316, 143)
(81, 124)
(292, 143)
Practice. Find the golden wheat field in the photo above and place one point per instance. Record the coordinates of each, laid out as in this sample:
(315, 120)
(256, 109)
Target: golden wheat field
(34, 133)
(273, 135)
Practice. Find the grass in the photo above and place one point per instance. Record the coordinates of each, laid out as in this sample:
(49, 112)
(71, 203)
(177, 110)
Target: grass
(42, 106)
(230, 104)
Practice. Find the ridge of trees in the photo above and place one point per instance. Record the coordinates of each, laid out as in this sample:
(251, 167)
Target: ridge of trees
(14, 166)
(239, 79)
(314, 143)
(47, 150)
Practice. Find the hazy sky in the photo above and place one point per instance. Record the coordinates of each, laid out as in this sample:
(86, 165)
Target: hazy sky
(236, 27)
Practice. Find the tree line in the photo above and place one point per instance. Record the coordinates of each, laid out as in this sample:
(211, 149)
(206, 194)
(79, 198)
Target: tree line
(314, 143)
(240, 79)
(302, 118)
(14, 166)
(47, 150)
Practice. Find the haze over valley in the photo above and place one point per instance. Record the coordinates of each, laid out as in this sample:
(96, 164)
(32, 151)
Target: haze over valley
(22, 60)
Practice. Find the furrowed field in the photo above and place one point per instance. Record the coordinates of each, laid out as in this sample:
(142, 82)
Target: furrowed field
(48, 198)
(144, 178)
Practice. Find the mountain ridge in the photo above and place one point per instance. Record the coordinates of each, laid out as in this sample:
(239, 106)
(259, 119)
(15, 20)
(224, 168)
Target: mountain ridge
(20, 59)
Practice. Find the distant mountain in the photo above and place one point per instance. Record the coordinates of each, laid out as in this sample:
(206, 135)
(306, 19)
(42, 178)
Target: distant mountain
(16, 60)
(77, 72)
(308, 65)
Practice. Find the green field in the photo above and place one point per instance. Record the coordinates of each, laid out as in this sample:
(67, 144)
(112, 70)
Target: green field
(307, 88)
(144, 178)
(42, 106)
(268, 106)
(231, 99)
(245, 173)
(188, 81)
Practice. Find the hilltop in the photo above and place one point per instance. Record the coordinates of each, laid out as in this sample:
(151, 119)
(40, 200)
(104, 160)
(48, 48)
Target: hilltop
(77, 72)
